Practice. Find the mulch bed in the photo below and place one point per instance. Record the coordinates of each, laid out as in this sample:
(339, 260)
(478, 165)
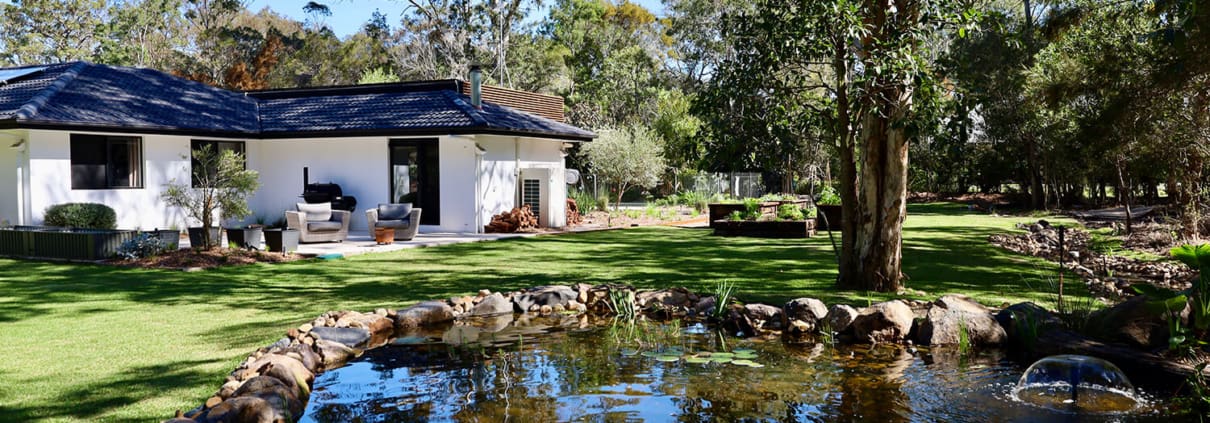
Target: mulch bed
(215, 257)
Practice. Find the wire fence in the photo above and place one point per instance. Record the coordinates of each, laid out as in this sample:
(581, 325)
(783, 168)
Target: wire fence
(737, 184)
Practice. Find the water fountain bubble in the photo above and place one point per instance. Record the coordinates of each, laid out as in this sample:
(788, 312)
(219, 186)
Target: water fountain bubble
(1077, 384)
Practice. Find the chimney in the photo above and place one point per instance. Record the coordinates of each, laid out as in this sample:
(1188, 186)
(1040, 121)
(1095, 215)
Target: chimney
(476, 87)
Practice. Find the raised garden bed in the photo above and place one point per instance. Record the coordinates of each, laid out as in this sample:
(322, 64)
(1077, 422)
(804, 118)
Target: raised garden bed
(720, 211)
(765, 228)
(50, 242)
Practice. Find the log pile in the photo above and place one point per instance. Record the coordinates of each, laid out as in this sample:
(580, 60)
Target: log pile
(573, 213)
(517, 219)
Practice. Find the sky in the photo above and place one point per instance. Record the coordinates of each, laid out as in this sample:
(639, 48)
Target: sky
(349, 15)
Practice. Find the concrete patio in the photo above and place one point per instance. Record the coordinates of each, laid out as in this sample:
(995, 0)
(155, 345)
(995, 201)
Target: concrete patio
(364, 244)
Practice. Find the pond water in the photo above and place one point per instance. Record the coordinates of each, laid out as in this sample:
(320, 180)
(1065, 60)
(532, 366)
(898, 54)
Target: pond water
(567, 369)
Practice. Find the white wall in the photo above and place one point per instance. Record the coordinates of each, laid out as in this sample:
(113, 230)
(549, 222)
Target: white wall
(498, 176)
(164, 159)
(10, 205)
(359, 164)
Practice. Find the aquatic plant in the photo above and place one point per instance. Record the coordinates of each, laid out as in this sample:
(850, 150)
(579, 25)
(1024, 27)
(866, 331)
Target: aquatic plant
(1197, 257)
(621, 301)
(722, 297)
(964, 337)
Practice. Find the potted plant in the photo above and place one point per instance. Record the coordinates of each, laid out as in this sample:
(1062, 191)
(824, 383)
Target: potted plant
(827, 205)
(220, 181)
(281, 240)
(245, 236)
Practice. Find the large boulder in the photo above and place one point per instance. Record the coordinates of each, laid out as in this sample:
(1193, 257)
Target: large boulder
(279, 397)
(351, 337)
(428, 313)
(1134, 322)
(950, 315)
(492, 305)
(334, 354)
(1024, 322)
(675, 298)
(241, 410)
(886, 322)
(549, 296)
(289, 370)
(840, 317)
(378, 325)
(804, 316)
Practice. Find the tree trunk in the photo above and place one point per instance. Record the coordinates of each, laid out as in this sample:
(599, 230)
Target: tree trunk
(1124, 194)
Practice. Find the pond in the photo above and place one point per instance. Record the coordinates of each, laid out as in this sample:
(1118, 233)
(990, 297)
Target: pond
(569, 369)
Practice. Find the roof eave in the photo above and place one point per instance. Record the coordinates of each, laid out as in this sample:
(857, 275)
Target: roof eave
(336, 133)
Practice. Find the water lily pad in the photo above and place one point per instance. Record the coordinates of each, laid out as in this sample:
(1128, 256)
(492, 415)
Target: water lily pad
(668, 358)
(629, 352)
(697, 360)
(722, 354)
(745, 355)
(720, 359)
(748, 363)
(649, 354)
(743, 351)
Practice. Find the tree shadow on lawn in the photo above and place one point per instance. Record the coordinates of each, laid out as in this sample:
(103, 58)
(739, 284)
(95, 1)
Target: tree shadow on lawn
(87, 401)
(938, 259)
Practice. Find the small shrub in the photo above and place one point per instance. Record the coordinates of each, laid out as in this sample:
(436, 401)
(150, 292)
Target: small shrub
(142, 245)
(584, 200)
(751, 209)
(789, 212)
(828, 197)
(809, 212)
(736, 216)
(82, 215)
(603, 203)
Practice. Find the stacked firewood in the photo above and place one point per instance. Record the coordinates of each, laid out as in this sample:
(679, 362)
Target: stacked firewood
(517, 219)
(573, 213)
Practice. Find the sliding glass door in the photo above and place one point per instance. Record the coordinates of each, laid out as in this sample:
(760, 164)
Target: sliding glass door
(414, 177)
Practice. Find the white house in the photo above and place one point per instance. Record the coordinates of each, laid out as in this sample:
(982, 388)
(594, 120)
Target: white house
(82, 132)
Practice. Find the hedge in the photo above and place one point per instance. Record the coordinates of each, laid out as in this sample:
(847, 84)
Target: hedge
(81, 215)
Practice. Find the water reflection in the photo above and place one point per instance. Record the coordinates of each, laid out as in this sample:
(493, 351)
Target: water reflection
(570, 369)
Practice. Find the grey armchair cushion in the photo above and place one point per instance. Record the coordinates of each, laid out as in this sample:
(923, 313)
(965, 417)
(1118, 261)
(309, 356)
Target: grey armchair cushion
(391, 224)
(317, 212)
(394, 211)
(325, 226)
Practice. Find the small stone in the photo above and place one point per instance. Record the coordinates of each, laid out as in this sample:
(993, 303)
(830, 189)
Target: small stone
(534, 307)
(483, 293)
(558, 308)
(546, 309)
(319, 321)
(213, 401)
(305, 327)
(380, 311)
(292, 333)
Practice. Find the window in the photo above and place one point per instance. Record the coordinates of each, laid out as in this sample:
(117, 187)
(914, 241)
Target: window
(106, 162)
(414, 177)
(220, 147)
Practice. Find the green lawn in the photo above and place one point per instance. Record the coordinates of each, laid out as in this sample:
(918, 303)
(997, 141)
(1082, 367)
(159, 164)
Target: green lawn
(100, 343)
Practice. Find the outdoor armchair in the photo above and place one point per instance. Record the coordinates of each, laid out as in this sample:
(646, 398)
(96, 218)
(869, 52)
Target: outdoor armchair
(319, 223)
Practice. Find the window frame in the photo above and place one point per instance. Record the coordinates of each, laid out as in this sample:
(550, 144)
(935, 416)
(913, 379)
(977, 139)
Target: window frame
(196, 144)
(109, 141)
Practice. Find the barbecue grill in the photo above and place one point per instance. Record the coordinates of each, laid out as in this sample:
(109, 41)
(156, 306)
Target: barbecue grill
(327, 193)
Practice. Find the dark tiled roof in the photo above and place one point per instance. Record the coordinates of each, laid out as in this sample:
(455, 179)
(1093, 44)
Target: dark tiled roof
(90, 96)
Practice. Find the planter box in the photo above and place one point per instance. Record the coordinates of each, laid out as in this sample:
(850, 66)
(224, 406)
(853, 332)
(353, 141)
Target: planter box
(765, 229)
(246, 238)
(195, 237)
(832, 214)
(62, 243)
(720, 211)
(281, 240)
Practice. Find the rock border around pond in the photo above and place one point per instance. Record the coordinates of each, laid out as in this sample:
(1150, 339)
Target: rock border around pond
(273, 384)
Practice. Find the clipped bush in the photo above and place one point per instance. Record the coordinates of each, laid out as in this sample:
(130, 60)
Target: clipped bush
(789, 212)
(141, 246)
(81, 215)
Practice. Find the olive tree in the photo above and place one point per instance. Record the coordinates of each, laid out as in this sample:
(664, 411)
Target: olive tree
(627, 157)
(220, 183)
